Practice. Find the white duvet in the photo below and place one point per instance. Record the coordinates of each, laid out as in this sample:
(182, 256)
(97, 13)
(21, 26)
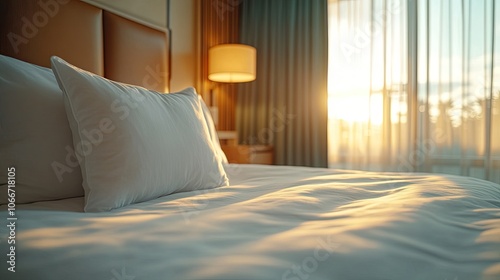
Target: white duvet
(273, 223)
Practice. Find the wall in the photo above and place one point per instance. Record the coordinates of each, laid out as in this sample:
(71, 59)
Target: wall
(152, 12)
(183, 23)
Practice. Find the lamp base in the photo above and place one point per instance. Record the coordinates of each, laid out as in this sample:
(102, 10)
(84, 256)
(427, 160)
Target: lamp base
(214, 111)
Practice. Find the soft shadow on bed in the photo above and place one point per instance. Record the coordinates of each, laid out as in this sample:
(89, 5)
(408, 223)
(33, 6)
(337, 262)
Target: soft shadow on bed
(289, 223)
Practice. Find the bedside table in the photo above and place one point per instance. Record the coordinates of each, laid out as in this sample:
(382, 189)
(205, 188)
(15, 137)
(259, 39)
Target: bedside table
(256, 154)
(228, 137)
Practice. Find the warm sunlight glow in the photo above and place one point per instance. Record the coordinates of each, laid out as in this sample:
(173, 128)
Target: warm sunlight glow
(356, 108)
(398, 83)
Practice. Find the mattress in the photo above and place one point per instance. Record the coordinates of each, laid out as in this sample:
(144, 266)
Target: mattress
(273, 222)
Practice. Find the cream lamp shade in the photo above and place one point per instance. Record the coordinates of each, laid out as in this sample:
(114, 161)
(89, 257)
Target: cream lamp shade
(231, 63)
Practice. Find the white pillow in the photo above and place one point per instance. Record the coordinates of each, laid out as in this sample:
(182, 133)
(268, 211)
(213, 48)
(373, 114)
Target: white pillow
(212, 131)
(35, 137)
(136, 144)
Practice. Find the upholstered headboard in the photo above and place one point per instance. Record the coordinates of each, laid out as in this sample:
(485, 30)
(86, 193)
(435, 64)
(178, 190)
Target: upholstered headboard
(88, 37)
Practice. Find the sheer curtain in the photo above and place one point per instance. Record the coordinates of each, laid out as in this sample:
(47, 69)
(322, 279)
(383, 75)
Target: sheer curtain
(415, 86)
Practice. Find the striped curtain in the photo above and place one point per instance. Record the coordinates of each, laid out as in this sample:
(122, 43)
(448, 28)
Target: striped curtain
(219, 25)
(415, 86)
(286, 106)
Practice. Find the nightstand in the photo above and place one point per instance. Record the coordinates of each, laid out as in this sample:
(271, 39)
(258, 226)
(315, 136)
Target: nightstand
(228, 137)
(256, 154)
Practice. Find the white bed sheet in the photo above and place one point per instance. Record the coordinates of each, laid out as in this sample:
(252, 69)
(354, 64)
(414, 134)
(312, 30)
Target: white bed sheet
(273, 222)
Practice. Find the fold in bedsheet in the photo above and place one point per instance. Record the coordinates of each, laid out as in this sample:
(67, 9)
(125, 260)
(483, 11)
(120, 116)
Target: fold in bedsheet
(274, 222)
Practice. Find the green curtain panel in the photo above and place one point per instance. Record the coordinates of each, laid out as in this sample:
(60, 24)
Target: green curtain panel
(286, 106)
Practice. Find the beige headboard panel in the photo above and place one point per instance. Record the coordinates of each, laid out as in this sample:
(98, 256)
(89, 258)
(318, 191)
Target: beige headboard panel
(131, 53)
(86, 36)
(33, 33)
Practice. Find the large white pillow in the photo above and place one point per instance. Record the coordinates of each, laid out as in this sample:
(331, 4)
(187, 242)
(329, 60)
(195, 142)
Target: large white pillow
(35, 137)
(136, 144)
(212, 131)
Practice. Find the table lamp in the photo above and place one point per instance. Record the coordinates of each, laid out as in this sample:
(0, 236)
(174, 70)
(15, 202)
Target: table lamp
(230, 63)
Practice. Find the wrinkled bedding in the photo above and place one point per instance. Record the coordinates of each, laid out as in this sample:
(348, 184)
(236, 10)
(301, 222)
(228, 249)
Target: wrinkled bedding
(273, 222)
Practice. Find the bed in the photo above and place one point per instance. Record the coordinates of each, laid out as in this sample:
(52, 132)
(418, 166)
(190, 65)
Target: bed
(227, 221)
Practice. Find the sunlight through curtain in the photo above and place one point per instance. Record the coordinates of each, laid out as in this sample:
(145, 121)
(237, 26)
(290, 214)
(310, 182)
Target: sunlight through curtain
(415, 86)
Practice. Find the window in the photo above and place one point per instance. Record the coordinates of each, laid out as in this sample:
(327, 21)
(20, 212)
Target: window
(414, 86)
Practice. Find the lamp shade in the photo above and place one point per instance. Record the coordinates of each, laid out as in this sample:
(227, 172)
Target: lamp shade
(231, 63)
